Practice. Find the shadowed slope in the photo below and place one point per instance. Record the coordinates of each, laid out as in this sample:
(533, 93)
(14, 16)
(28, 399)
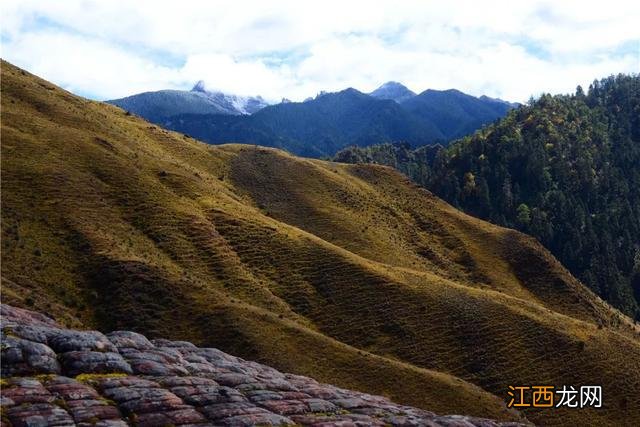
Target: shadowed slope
(347, 273)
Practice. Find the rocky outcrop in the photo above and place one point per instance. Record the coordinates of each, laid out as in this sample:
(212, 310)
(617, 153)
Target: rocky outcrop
(60, 377)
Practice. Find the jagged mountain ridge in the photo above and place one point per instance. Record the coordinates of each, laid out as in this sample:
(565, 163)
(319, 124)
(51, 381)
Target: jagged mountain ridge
(346, 273)
(157, 106)
(76, 377)
(455, 113)
(312, 128)
(332, 121)
(231, 104)
(323, 125)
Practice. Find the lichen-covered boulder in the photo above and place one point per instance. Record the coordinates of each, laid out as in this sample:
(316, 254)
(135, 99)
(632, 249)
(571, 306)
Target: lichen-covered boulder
(93, 362)
(128, 339)
(64, 340)
(23, 357)
(54, 376)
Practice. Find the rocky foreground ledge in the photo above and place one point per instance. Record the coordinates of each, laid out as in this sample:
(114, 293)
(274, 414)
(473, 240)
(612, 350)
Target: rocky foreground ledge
(59, 377)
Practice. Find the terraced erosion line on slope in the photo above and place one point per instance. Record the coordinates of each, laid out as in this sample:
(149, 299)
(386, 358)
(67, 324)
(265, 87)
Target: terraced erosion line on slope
(61, 377)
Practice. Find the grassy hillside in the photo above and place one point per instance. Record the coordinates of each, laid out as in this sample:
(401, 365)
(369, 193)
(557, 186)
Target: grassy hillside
(346, 273)
(564, 169)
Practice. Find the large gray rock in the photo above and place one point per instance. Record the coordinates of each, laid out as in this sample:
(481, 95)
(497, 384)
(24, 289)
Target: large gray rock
(22, 357)
(127, 339)
(39, 414)
(59, 377)
(64, 340)
(93, 362)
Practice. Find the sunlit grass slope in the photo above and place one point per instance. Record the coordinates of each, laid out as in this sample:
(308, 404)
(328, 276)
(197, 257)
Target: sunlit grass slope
(346, 273)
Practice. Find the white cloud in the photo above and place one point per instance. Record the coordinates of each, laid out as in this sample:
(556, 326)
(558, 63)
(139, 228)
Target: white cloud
(222, 72)
(87, 66)
(295, 49)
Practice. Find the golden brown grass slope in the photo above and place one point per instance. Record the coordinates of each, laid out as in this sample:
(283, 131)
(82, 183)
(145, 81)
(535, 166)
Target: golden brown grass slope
(346, 273)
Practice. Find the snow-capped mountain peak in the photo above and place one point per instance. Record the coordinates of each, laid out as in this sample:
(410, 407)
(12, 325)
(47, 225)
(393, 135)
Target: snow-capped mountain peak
(394, 91)
(230, 104)
(199, 87)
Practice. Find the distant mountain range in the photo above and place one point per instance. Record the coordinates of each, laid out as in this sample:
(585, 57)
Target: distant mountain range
(157, 106)
(455, 113)
(323, 125)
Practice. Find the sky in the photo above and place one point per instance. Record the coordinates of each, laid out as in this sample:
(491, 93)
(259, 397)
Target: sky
(295, 49)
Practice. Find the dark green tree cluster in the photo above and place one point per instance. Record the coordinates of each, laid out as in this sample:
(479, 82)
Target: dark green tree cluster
(564, 169)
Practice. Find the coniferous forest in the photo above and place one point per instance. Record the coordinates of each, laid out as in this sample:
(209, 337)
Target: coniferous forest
(564, 169)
